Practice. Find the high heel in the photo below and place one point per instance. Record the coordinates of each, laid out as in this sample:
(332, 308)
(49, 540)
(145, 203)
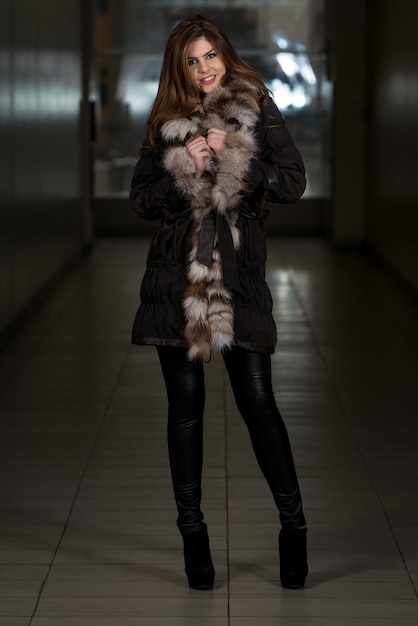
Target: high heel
(198, 561)
(293, 557)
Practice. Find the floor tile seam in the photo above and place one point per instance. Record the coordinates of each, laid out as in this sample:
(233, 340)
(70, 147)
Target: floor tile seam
(28, 355)
(322, 356)
(407, 290)
(348, 423)
(83, 474)
(225, 415)
(75, 275)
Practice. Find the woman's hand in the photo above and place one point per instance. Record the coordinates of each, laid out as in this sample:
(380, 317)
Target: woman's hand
(202, 148)
(216, 140)
(199, 150)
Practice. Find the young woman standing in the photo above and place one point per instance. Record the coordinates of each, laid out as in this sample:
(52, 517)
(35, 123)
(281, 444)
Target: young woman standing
(216, 150)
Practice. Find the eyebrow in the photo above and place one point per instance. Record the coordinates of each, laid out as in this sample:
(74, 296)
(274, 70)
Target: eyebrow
(205, 55)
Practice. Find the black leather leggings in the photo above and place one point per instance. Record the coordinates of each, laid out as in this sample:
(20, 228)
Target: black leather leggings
(250, 376)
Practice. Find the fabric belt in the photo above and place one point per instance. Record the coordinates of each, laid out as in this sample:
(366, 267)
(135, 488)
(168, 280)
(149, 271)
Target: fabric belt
(218, 224)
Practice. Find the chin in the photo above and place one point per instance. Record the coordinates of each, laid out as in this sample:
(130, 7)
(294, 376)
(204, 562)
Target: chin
(209, 88)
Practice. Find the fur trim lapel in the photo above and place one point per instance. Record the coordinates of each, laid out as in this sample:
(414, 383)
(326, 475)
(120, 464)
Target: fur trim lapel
(208, 303)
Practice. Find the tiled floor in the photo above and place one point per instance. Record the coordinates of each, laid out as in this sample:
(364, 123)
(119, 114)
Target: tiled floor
(87, 518)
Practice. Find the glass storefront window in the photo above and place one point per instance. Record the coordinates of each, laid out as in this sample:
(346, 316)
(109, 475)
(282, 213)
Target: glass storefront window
(282, 40)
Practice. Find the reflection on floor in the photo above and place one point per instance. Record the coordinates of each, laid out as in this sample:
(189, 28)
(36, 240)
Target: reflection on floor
(87, 518)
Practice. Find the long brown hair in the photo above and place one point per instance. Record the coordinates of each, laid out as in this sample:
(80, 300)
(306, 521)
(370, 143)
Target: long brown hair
(177, 94)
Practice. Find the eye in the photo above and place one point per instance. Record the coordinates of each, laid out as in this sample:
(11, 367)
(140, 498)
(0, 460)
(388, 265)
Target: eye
(211, 55)
(191, 61)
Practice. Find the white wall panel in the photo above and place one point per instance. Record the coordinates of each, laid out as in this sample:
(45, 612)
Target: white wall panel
(40, 86)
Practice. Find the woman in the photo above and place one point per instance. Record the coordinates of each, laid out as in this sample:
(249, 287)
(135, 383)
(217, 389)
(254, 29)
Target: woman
(216, 150)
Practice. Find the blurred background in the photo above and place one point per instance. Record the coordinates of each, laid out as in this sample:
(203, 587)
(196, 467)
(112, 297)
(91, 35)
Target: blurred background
(283, 41)
(77, 79)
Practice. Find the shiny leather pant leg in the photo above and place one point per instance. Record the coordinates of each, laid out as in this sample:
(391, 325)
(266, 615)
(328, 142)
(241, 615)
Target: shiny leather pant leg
(186, 401)
(250, 376)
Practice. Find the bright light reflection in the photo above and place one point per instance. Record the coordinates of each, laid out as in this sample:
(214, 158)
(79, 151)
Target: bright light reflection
(306, 69)
(286, 96)
(299, 98)
(138, 82)
(140, 96)
(282, 94)
(295, 92)
(296, 64)
(48, 85)
(279, 277)
(288, 62)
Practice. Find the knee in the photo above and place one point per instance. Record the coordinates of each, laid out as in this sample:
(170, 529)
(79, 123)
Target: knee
(186, 397)
(253, 391)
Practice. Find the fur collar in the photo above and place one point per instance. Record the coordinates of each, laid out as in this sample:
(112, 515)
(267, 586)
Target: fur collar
(213, 200)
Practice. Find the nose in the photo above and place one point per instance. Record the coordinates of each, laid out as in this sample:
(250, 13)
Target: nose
(203, 66)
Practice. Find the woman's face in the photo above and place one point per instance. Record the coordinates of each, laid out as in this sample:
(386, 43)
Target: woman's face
(206, 67)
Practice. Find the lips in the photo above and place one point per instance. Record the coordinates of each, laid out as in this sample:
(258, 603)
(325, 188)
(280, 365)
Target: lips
(208, 80)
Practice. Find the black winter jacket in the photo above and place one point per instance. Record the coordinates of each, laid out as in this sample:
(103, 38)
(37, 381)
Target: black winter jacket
(160, 191)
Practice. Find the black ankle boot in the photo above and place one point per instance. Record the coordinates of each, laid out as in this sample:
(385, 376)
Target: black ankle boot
(197, 560)
(293, 557)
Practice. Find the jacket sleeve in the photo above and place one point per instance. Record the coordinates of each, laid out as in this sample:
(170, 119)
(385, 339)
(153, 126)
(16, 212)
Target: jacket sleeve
(279, 170)
(152, 189)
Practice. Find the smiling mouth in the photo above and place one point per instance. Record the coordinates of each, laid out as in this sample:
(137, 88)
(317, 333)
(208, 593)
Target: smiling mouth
(208, 79)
